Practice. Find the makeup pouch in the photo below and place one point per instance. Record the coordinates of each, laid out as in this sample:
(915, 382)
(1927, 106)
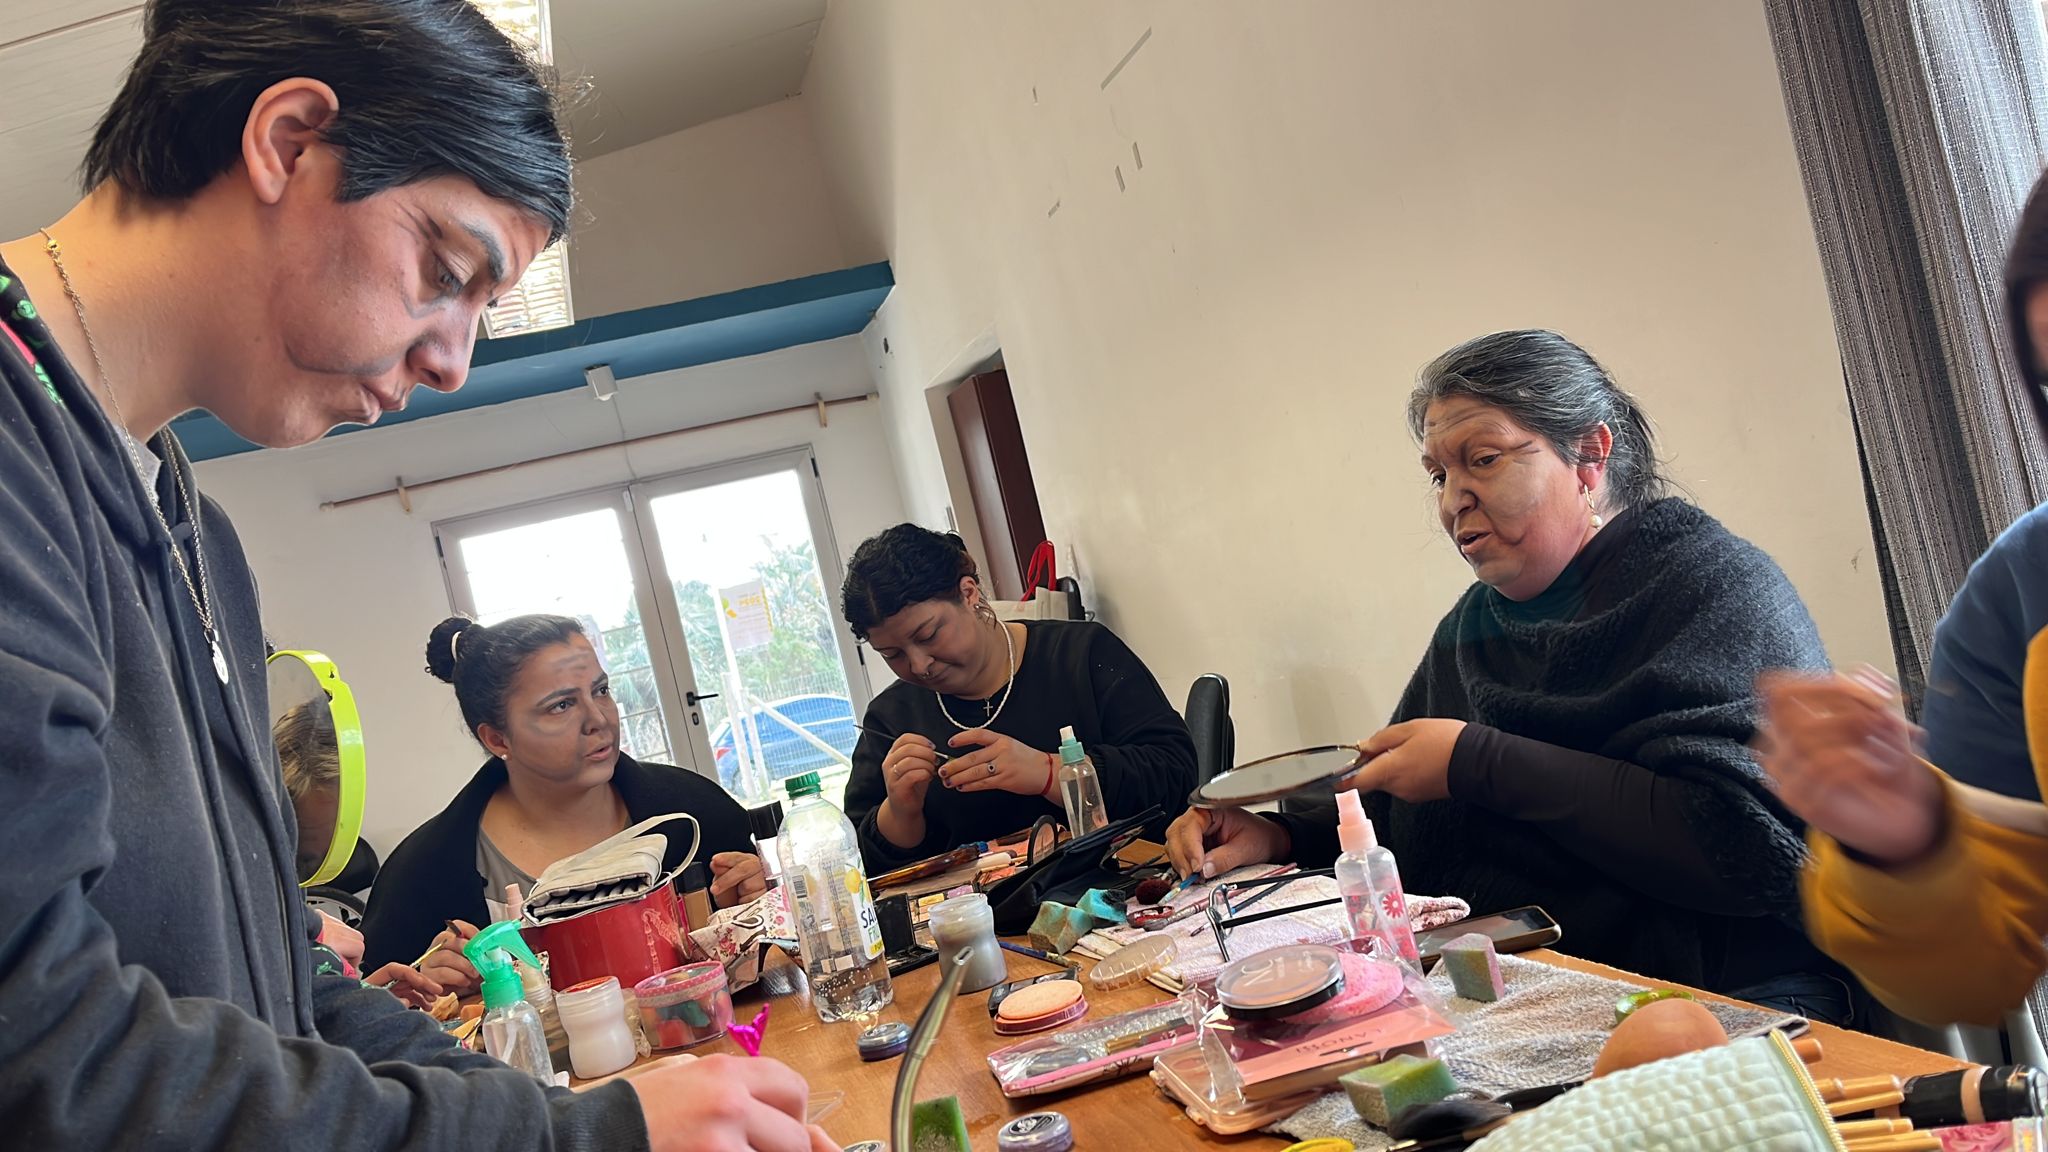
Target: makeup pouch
(1065, 874)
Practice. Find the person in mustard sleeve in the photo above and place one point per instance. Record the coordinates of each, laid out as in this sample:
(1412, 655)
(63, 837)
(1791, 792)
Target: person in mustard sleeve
(1931, 883)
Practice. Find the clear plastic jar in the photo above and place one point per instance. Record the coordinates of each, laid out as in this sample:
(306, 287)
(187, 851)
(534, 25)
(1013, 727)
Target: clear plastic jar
(684, 1007)
(594, 1015)
(968, 922)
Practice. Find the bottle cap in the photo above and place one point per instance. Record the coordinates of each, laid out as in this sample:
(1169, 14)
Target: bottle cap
(491, 953)
(883, 1041)
(1354, 828)
(1038, 1132)
(807, 784)
(1070, 747)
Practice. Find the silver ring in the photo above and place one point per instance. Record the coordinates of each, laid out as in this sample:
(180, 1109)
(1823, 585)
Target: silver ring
(991, 767)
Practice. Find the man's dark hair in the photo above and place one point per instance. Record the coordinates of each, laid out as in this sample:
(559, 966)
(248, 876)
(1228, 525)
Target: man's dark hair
(427, 88)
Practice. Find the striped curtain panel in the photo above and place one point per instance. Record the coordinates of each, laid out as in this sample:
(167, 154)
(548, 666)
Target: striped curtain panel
(1921, 125)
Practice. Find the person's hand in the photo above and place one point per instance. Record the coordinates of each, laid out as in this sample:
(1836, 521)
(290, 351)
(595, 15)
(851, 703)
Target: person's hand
(406, 983)
(448, 967)
(908, 770)
(1409, 761)
(1846, 760)
(997, 764)
(1213, 841)
(341, 939)
(737, 877)
(728, 1104)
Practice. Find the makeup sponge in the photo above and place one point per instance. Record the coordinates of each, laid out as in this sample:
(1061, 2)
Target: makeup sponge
(1474, 968)
(938, 1126)
(1381, 1092)
(1058, 927)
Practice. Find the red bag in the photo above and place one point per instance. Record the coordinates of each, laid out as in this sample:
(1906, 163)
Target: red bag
(1042, 571)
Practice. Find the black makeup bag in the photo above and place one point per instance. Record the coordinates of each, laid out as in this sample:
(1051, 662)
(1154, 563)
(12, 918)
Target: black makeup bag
(1065, 873)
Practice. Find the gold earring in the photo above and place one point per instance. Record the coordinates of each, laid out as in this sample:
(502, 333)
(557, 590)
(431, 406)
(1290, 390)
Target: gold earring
(1591, 507)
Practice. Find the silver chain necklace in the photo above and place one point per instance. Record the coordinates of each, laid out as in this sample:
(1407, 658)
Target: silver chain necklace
(195, 588)
(1010, 649)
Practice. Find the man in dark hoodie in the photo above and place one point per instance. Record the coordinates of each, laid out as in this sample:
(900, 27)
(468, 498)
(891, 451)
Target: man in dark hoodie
(295, 212)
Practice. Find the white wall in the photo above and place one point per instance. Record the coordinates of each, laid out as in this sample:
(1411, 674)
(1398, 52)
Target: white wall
(363, 583)
(725, 205)
(1317, 196)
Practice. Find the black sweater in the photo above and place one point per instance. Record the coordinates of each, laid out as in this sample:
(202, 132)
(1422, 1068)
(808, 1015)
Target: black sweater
(1072, 674)
(1604, 771)
(431, 877)
(156, 985)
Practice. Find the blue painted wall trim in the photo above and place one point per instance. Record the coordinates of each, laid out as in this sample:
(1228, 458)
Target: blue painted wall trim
(637, 343)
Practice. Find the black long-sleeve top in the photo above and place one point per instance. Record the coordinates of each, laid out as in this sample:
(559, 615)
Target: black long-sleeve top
(1071, 673)
(1603, 771)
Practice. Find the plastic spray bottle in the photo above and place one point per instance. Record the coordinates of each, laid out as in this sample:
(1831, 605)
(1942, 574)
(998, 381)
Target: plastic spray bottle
(512, 1029)
(1370, 885)
(1080, 791)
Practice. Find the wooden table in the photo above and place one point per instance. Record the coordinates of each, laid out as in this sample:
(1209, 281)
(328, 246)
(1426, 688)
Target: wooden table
(1129, 1113)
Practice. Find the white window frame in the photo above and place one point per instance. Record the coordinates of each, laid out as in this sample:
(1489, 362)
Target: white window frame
(674, 676)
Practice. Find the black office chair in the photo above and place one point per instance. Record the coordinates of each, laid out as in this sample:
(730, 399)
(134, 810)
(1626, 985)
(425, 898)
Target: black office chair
(1208, 717)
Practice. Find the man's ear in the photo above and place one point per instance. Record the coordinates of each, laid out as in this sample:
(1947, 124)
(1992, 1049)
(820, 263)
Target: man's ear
(284, 124)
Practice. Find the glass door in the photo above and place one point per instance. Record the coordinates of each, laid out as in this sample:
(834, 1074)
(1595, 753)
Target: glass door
(574, 558)
(747, 573)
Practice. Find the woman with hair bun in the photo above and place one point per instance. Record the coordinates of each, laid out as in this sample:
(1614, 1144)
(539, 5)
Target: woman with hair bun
(993, 697)
(535, 695)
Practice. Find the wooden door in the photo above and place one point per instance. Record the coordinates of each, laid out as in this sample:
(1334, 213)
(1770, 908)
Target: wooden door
(999, 477)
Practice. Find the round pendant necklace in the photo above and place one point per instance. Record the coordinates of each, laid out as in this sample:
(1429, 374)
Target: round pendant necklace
(1010, 650)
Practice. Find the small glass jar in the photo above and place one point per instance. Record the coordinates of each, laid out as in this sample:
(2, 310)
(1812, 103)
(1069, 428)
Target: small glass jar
(968, 922)
(594, 1015)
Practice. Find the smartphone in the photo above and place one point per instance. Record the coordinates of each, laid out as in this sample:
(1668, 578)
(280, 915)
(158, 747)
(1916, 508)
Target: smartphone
(1518, 930)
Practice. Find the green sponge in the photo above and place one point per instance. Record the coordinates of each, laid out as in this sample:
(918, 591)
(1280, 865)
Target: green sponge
(938, 1126)
(1058, 927)
(1381, 1092)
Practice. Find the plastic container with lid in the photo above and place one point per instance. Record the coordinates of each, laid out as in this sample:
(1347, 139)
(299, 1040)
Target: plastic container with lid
(684, 1007)
(1134, 962)
(594, 1015)
(968, 922)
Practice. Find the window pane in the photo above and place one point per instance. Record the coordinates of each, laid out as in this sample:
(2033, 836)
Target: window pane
(760, 630)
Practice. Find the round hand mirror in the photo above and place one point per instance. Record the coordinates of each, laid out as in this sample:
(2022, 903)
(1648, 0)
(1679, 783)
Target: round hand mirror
(319, 740)
(1276, 777)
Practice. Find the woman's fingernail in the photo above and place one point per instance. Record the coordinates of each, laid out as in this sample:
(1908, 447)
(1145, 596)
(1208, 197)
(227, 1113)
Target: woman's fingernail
(1208, 869)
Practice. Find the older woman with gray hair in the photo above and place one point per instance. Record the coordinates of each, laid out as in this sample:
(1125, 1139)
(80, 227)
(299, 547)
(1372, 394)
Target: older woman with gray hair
(1577, 733)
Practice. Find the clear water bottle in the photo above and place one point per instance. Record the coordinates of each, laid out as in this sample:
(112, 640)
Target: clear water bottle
(829, 901)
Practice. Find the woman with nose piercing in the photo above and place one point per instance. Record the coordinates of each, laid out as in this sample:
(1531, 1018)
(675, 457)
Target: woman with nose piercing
(963, 747)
